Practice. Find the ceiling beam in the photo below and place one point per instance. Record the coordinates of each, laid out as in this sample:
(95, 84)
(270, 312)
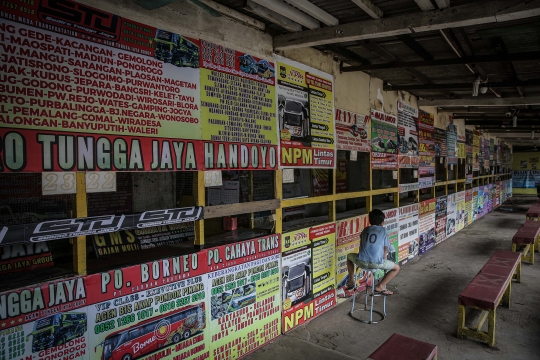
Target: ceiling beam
(425, 5)
(272, 16)
(314, 11)
(500, 48)
(442, 4)
(416, 47)
(494, 11)
(525, 56)
(388, 56)
(346, 54)
(532, 100)
(457, 86)
(370, 8)
(290, 12)
(233, 14)
(505, 123)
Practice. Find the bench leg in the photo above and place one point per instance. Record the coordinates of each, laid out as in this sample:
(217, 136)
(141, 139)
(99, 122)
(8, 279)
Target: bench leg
(517, 274)
(506, 297)
(461, 321)
(514, 247)
(491, 327)
(531, 255)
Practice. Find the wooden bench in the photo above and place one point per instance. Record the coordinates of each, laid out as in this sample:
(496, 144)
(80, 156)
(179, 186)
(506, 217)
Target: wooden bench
(534, 225)
(399, 347)
(524, 241)
(487, 290)
(533, 213)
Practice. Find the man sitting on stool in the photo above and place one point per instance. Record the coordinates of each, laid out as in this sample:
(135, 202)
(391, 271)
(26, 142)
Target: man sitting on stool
(372, 255)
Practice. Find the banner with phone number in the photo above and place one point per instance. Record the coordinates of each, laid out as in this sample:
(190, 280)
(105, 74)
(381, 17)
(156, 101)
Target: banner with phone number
(171, 308)
(384, 141)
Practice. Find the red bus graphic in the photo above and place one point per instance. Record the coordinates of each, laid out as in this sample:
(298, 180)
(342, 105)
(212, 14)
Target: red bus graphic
(151, 335)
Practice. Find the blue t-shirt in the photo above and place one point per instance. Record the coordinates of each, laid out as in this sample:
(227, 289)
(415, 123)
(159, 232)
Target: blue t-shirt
(372, 242)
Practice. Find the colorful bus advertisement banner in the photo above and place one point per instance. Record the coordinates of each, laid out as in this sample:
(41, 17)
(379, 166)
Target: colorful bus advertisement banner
(452, 144)
(108, 76)
(440, 219)
(243, 284)
(451, 210)
(407, 136)
(426, 182)
(468, 207)
(474, 204)
(479, 208)
(237, 96)
(305, 110)
(426, 141)
(141, 239)
(353, 131)
(41, 151)
(347, 241)
(426, 226)
(384, 141)
(391, 224)
(308, 274)
(440, 142)
(460, 211)
(25, 257)
(96, 225)
(408, 233)
(146, 311)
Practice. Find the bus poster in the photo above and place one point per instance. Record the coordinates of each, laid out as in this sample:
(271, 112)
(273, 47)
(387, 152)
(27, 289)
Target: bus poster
(244, 284)
(306, 293)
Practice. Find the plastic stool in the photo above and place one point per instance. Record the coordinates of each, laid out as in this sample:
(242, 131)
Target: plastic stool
(382, 314)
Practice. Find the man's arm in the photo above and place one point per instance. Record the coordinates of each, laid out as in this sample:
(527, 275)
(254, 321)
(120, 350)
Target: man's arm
(385, 252)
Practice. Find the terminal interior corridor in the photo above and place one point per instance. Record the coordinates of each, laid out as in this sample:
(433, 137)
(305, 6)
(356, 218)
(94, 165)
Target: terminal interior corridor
(425, 303)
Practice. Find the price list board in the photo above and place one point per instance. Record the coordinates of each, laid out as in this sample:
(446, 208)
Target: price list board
(238, 96)
(128, 79)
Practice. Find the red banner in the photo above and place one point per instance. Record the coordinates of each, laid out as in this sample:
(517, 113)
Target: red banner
(294, 154)
(37, 151)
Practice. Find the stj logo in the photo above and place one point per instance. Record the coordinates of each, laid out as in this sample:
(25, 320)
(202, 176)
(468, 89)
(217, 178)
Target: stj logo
(80, 18)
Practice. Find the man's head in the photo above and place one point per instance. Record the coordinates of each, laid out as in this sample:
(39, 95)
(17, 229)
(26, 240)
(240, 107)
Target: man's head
(376, 217)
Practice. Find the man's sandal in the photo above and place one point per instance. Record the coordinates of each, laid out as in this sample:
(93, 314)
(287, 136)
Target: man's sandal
(384, 292)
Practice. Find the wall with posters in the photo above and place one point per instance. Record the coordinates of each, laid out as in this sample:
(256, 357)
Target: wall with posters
(407, 136)
(408, 233)
(525, 172)
(460, 211)
(384, 141)
(177, 306)
(440, 219)
(426, 225)
(347, 241)
(451, 213)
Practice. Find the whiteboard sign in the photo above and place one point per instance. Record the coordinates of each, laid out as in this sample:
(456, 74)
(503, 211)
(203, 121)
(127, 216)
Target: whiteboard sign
(54, 183)
(288, 176)
(100, 181)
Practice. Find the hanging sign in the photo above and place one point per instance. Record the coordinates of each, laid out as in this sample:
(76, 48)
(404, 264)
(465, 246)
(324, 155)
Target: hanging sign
(426, 225)
(407, 136)
(353, 131)
(384, 141)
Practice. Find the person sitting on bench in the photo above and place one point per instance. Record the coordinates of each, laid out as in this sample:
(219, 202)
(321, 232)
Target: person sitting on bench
(374, 246)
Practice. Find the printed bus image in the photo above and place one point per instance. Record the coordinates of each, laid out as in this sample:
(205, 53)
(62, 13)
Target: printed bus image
(176, 50)
(151, 335)
(56, 330)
